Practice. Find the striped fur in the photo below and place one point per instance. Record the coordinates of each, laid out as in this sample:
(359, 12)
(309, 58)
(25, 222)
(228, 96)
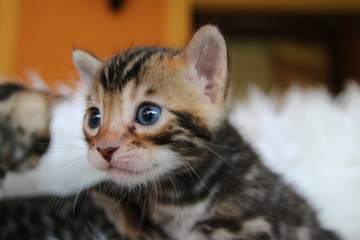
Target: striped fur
(76, 217)
(191, 175)
(122, 68)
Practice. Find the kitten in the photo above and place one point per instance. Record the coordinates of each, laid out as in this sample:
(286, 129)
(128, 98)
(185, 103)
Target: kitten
(156, 123)
(24, 127)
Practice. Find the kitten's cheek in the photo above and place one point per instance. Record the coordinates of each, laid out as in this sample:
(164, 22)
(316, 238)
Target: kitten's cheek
(97, 162)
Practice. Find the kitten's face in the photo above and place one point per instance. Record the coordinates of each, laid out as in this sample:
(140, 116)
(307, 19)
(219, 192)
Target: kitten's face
(150, 112)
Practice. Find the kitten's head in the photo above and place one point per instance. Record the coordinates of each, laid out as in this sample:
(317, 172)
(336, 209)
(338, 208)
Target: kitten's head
(24, 126)
(151, 111)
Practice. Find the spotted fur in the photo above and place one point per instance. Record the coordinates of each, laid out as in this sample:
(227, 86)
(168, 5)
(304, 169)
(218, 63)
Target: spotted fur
(24, 127)
(77, 217)
(190, 174)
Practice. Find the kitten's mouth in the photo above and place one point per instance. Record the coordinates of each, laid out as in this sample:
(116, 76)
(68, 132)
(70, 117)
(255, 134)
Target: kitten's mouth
(126, 171)
(132, 176)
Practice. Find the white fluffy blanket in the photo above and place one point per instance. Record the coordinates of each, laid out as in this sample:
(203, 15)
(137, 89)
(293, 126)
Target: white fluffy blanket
(313, 141)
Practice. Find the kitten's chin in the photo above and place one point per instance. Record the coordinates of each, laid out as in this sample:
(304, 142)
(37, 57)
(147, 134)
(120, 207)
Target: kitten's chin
(165, 161)
(130, 177)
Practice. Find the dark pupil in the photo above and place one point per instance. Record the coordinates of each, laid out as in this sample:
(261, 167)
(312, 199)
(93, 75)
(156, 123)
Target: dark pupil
(94, 119)
(148, 114)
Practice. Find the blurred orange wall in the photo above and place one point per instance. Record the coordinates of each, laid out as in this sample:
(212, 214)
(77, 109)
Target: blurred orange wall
(49, 30)
(39, 35)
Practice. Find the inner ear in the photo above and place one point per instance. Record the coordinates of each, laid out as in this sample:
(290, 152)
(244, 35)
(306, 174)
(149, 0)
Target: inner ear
(207, 53)
(87, 65)
(207, 63)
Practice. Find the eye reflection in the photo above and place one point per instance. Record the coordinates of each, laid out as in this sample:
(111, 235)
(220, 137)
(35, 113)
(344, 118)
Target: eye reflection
(148, 114)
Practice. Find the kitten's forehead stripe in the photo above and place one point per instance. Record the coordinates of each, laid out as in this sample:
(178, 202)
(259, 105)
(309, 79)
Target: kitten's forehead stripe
(116, 66)
(122, 68)
(120, 65)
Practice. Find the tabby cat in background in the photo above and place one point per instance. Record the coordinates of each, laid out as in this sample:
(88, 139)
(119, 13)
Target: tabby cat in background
(24, 127)
(26, 116)
(156, 123)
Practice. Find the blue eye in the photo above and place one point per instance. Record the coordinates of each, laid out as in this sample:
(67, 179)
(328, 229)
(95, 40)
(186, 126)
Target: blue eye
(94, 118)
(148, 114)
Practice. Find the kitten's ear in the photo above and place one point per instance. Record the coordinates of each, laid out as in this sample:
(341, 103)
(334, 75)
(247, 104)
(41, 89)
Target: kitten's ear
(207, 54)
(86, 64)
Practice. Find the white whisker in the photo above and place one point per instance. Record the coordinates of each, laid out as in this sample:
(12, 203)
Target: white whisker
(197, 175)
(227, 162)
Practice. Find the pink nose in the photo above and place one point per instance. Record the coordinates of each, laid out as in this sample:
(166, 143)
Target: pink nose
(107, 152)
